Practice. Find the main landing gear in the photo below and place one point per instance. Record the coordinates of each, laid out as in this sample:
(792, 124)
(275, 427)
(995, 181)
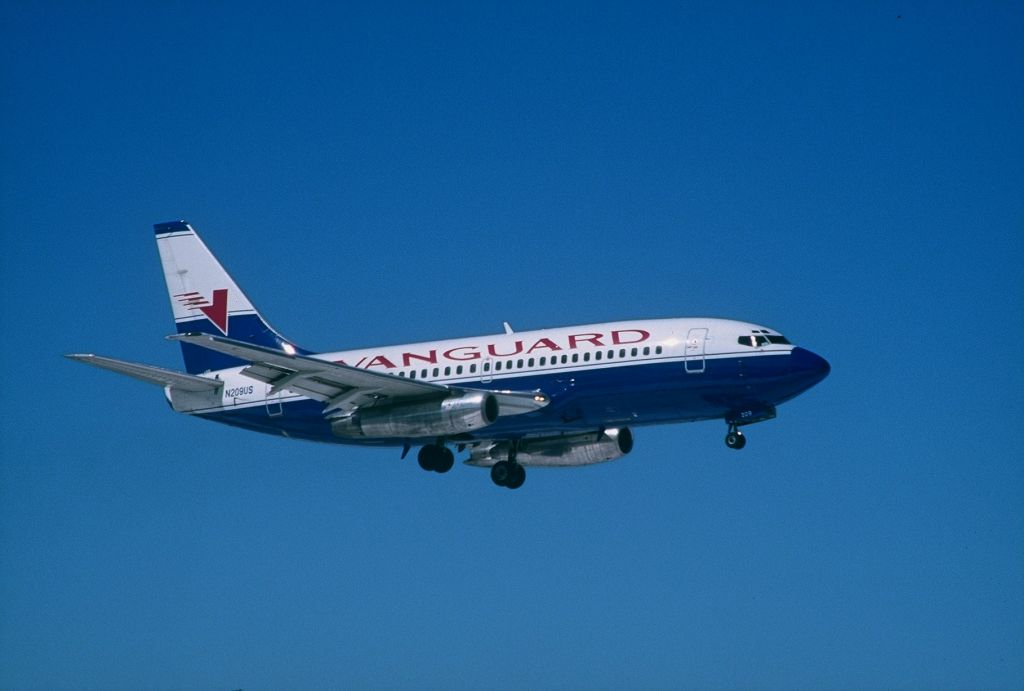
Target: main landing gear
(509, 473)
(440, 459)
(436, 457)
(735, 439)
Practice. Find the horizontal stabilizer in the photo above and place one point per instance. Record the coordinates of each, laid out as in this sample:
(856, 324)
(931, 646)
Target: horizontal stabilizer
(149, 373)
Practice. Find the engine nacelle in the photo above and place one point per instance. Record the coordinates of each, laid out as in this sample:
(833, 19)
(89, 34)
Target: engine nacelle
(578, 449)
(447, 417)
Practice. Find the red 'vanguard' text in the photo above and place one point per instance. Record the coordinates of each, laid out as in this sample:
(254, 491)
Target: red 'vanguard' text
(464, 353)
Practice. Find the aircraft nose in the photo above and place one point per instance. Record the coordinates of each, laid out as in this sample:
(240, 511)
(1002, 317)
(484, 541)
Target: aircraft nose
(810, 365)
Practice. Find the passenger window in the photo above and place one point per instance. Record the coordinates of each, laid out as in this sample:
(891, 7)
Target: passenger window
(597, 355)
(586, 357)
(447, 371)
(657, 350)
(436, 371)
(647, 350)
(575, 357)
(458, 370)
(497, 365)
(529, 363)
(519, 364)
(423, 374)
(543, 361)
(472, 369)
(487, 367)
(622, 352)
(633, 352)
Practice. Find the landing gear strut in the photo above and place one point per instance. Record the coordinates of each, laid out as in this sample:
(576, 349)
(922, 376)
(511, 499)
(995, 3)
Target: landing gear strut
(755, 412)
(509, 473)
(436, 457)
(735, 439)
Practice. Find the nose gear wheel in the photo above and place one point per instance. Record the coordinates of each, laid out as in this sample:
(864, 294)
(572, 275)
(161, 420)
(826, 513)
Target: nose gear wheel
(735, 439)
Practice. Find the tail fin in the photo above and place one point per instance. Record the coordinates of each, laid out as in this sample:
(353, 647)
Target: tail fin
(206, 299)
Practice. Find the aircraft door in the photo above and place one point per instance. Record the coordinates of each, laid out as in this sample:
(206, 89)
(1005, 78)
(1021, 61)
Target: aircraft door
(696, 341)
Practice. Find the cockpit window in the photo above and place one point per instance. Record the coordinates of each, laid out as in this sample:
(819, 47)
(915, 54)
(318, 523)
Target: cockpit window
(759, 339)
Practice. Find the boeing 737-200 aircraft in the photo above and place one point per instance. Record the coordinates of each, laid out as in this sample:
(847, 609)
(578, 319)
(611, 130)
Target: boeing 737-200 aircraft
(555, 397)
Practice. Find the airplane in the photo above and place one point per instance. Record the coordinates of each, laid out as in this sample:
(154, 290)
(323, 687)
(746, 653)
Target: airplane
(567, 396)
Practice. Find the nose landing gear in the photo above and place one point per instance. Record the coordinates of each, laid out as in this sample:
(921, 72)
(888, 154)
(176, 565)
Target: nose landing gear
(756, 412)
(735, 439)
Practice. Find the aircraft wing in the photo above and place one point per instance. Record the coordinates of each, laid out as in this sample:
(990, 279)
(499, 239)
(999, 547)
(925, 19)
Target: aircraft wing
(341, 387)
(149, 373)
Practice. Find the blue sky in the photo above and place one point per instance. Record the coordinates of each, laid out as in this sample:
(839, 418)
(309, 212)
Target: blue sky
(384, 173)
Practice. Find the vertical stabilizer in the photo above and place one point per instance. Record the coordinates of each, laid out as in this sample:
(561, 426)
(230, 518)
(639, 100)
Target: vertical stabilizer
(205, 299)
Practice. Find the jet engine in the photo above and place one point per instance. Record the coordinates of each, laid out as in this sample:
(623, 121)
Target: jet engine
(437, 418)
(578, 449)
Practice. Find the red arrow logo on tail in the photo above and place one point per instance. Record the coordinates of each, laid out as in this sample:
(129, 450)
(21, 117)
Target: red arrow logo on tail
(218, 311)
